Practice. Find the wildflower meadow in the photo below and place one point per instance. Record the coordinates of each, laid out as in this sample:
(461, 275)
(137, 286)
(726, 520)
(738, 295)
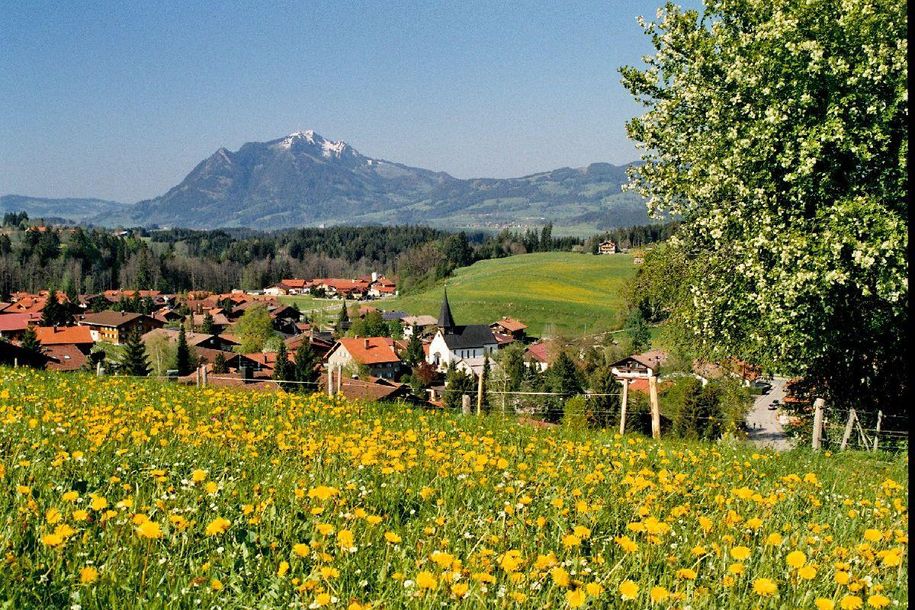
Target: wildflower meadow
(124, 493)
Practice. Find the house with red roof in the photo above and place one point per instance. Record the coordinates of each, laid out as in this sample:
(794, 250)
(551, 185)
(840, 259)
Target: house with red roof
(375, 353)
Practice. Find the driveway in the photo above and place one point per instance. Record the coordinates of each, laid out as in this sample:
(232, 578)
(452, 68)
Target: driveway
(764, 427)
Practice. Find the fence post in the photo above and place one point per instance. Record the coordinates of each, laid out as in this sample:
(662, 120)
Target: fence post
(655, 407)
(465, 404)
(848, 428)
(817, 423)
(480, 393)
(330, 381)
(339, 378)
(203, 369)
(623, 404)
(877, 430)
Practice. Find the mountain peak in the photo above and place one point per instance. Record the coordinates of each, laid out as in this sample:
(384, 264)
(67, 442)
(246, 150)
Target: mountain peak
(329, 148)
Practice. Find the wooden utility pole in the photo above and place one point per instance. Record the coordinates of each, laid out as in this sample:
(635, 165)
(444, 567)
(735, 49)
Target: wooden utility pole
(877, 430)
(339, 378)
(203, 370)
(817, 423)
(480, 393)
(623, 405)
(330, 381)
(465, 404)
(655, 408)
(849, 425)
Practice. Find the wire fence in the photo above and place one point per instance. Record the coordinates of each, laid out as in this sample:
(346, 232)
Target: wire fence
(840, 428)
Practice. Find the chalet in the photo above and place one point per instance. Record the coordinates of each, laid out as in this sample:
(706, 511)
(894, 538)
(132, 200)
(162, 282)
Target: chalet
(13, 325)
(418, 325)
(375, 353)
(285, 319)
(607, 247)
(13, 355)
(453, 343)
(115, 326)
(195, 340)
(290, 286)
(537, 355)
(319, 345)
(65, 357)
(349, 289)
(641, 365)
(509, 326)
(220, 321)
(77, 336)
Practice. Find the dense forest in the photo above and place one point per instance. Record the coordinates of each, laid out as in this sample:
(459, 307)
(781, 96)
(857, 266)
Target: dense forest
(87, 260)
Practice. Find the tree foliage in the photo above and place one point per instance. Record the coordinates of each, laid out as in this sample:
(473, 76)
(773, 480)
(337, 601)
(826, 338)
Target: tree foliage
(254, 329)
(777, 132)
(135, 360)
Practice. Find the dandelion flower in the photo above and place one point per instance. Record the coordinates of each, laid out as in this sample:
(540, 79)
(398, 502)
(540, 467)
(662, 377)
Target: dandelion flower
(628, 590)
(765, 587)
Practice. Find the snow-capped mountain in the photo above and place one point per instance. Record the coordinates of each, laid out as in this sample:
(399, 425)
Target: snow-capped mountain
(304, 179)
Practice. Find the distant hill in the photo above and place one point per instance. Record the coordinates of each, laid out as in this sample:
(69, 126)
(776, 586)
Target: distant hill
(71, 209)
(304, 179)
(552, 292)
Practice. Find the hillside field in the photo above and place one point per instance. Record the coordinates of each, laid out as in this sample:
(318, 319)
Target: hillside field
(554, 292)
(134, 493)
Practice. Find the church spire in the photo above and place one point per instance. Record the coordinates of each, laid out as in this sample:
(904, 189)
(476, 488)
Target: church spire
(445, 320)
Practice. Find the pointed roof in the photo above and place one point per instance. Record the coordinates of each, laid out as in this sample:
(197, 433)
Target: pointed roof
(445, 319)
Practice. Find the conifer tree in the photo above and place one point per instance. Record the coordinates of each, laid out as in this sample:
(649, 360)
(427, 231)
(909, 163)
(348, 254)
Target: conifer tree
(282, 369)
(207, 325)
(306, 365)
(219, 364)
(486, 373)
(414, 353)
(135, 361)
(342, 320)
(30, 340)
(183, 354)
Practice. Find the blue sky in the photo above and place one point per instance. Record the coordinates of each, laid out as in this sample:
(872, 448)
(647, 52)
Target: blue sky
(120, 100)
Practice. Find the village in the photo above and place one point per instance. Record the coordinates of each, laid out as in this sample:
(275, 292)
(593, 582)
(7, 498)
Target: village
(350, 345)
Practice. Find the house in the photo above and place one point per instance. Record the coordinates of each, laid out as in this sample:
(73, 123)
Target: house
(14, 355)
(195, 340)
(509, 326)
(452, 343)
(13, 325)
(65, 357)
(642, 365)
(418, 325)
(607, 247)
(290, 286)
(375, 353)
(115, 326)
(78, 336)
(537, 355)
(374, 389)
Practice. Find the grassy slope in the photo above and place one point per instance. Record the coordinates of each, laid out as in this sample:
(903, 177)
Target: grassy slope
(551, 292)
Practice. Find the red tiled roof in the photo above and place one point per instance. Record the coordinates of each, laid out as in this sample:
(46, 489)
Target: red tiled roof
(66, 357)
(370, 350)
(61, 335)
(510, 324)
(16, 321)
(539, 352)
(110, 318)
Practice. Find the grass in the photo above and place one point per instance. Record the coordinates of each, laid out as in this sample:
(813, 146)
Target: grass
(553, 293)
(140, 494)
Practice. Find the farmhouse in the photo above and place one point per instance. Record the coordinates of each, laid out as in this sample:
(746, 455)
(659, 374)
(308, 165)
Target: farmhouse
(375, 353)
(607, 247)
(418, 325)
(509, 326)
(453, 343)
(78, 336)
(115, 326)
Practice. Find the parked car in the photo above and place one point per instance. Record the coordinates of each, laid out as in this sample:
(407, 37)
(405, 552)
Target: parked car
(762, 386)
(775, 404)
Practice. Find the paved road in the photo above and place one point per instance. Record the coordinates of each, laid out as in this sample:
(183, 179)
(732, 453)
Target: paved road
(764, 427)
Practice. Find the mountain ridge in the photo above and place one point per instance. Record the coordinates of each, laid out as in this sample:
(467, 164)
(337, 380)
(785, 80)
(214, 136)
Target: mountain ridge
(304, 179)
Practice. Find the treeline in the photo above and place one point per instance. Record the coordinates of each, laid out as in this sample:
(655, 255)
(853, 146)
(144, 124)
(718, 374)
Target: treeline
(80, 260)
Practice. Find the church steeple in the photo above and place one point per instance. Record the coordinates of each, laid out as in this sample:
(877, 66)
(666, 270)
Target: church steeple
(445, 319)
